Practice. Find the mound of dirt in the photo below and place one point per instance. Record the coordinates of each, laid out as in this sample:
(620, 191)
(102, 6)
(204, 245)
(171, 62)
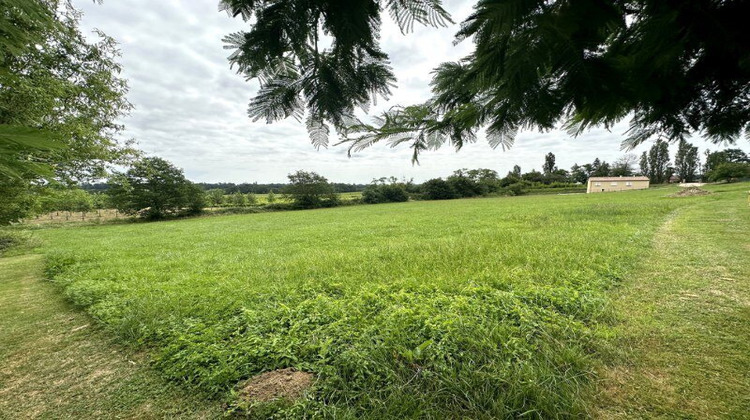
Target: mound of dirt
(276, 384)
(690, 192)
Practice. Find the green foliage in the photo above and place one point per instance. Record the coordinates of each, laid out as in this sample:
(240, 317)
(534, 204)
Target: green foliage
(298, 76)
(463, 309)
(533, 176)
(195, 199)
(714, 159)
(624, 165)
(154, 188)
(309, 190)
(676, 68)
(15, 239)
(438, 189)
(578, 174)
(65, 199)
(658, 162)
(60, 98)
(238, 199)
(549, 163)
(385, 191)
(686, 161)
(215, 197)
(60, 95)
(271, 197)
(730, 171)
(17, 200)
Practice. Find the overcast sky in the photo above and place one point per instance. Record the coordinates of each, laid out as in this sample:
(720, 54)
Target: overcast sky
(190, 107)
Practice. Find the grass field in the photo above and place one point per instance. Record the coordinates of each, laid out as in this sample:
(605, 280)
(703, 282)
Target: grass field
(280, 198)
(469, 308)
(56, 364)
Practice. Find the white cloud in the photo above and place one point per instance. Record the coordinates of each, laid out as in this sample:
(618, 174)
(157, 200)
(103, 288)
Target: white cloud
(190, 107)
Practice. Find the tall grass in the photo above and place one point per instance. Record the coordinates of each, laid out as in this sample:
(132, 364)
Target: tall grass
(479, 308)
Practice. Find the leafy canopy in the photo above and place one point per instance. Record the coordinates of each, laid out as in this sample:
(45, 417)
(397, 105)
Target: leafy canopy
(60, 95)
(309, 190)
(155, 188)
(674, 67)
(319, 59)
(60, 99)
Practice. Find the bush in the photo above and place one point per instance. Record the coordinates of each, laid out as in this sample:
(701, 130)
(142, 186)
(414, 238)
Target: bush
(730, 171)
(437, 189)
(16, 202)
(385, 193)
(464, 187)
(195, 199)
(518, 188)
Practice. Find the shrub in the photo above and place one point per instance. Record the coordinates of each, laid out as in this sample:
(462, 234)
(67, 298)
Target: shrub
(730, 171)
(438, 189)
(518, 188)
(385, 193)
(464, 187)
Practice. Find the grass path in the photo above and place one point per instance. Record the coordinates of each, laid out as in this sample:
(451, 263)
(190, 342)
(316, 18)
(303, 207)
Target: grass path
(54, 363)
(684, 350)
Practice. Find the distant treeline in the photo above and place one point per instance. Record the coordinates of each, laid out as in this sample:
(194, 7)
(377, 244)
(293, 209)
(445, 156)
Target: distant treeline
(244, 188)
(255, 188)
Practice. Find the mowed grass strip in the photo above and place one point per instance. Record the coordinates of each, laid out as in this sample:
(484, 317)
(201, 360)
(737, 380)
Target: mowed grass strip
(56, 364)
(480, 308)
(684, 338)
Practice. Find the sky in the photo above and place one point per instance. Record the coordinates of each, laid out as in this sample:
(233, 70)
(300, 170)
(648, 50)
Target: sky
(190, 106)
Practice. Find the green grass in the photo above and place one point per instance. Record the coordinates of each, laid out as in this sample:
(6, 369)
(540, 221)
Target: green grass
(683, 343)
(346, 196)
(479, 308)
(56, 364)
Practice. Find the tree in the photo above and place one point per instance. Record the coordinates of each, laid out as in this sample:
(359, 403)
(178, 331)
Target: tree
(155, 188)
(18, 200)
(60, 98)
(686, 161)
(675, 67)
(385, 190)
(282, 52)
(730, 171)
(309, 190)
(66, 199)
(578, 174)
(714, 159)
(533, 176)
(658, 162)
(549, 164)
(645, 170)
(599, 168)
(486, 179)
(438, 189)
(271, 197)
(463, 185)
(516, 171)
(238, 199)
(215, 197)
(623, 166)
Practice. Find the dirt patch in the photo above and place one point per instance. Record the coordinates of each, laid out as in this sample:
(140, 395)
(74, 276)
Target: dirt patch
(690, 192)
(276, 384)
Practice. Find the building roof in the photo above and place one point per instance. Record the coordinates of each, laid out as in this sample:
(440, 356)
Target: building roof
(618, 178)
